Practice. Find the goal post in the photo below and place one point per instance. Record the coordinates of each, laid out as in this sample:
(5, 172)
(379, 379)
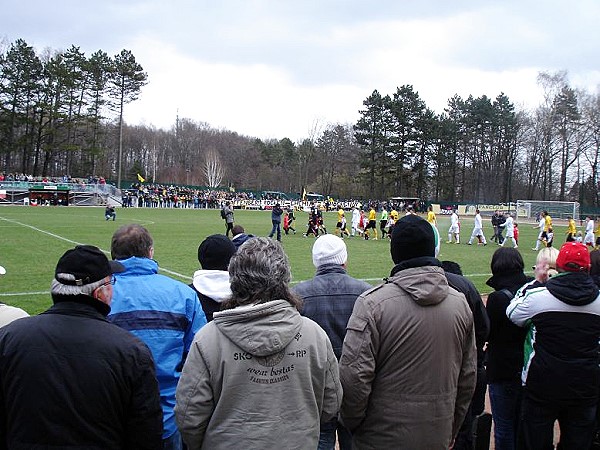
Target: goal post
(559, 210)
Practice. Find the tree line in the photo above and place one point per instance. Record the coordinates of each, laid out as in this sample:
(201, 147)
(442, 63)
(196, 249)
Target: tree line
(61, 113)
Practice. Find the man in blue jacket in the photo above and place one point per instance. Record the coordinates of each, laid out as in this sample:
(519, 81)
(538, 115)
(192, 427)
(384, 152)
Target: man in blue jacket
(328, 299)
(561, 376)
(162, 312)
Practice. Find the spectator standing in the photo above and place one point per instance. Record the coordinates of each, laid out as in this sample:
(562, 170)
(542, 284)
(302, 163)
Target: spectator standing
(456, 280)
(561, 376)
(259, 375)
(239, 236)
(505, 347)
(162, 312)
(70, 379)
(211, 282)
(408, 363)
(9, 313)
(228, 213)
(328, 299)
(276, 213)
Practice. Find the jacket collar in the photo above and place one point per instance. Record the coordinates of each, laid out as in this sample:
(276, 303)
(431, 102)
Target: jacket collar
(80, 305)
(330, 268)
(415, 262)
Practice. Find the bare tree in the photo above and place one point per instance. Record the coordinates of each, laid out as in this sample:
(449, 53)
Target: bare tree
(213, 169)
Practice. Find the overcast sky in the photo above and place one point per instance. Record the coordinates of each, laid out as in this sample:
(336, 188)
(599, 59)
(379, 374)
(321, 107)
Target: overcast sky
(277, 68)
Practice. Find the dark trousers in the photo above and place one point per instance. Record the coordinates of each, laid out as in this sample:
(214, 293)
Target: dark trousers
(327, 436)
(577, 424)
(229, 227)
(276, 227)
(505, 399)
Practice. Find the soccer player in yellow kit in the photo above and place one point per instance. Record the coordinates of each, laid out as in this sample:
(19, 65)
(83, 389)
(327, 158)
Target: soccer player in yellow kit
(431, 216)
(372, 222)
(338, 226)
(571, 230)
(548, 233)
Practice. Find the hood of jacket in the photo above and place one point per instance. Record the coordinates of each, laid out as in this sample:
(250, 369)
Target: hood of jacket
(576, 288)
(213, 283)
(422, 279)
(262, 329)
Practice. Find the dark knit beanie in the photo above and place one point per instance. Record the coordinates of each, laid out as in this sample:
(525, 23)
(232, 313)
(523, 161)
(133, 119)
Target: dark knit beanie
(412, 237)
(215, 252)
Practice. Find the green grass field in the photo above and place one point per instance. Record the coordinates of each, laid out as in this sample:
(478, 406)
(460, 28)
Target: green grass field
(34, 238)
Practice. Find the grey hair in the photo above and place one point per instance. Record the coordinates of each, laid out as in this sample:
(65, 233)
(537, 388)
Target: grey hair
(260, 272)
(58, 288)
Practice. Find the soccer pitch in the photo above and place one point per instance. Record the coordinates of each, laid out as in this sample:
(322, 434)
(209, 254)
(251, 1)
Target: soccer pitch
(34, 238)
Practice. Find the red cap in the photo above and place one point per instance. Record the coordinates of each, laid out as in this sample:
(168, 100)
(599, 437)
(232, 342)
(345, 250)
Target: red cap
(573, 257)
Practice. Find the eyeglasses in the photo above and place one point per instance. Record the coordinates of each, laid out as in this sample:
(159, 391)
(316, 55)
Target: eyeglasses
(112, 280)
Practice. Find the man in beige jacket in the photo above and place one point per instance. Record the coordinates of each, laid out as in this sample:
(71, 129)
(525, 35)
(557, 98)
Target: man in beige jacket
(408, 363)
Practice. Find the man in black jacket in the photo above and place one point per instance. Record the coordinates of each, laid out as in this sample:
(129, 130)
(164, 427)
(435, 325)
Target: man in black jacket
(68, 377)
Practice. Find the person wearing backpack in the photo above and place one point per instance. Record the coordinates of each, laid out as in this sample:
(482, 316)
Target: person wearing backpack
(227, 215)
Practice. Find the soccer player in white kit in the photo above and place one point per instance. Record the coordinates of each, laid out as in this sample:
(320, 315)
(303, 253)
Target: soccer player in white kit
(477, 229)
(589, 238)
(454, 230)
(509, 225)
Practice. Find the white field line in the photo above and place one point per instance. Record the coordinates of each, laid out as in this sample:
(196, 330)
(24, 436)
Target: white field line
(170, 272)
(62, 238)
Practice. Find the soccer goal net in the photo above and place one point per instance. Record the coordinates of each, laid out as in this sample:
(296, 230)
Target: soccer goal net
(558, 210)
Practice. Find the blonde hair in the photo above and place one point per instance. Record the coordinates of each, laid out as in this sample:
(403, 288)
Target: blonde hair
(549, 254)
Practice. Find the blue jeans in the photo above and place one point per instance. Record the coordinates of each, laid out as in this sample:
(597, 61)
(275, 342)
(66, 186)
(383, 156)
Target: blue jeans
(577, 424)
(276, 227)
(174, 442)
(505, 400)
(327, 436)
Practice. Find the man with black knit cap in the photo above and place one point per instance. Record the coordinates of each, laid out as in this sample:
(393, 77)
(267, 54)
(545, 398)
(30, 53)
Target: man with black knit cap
(560, 377)
(328, 299)
(408, 362)
(211, 283)
(69, 378)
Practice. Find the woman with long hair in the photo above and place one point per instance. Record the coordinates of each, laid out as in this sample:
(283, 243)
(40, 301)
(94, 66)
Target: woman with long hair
(259, 375)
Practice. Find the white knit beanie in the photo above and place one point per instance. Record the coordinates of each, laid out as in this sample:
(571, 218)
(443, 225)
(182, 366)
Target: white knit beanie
(329, 249)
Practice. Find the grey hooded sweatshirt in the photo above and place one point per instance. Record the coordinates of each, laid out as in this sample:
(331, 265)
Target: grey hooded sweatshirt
(258, 376)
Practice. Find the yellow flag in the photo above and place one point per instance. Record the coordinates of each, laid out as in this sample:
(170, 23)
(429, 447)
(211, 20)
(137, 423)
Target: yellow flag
(303, 194)
(140, 178)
